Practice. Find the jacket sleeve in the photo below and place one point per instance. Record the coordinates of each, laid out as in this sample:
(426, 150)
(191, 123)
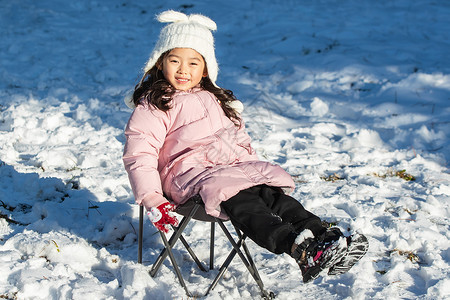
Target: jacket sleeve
(145, 134)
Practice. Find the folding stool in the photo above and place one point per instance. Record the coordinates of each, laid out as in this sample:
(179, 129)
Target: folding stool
(194, 209)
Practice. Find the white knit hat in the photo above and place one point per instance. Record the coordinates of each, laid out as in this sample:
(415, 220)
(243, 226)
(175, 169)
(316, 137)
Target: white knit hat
(193, 31)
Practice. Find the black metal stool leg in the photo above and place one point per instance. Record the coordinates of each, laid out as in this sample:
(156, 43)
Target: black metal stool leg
(211, 246)
(250, 266)
(174, 264)
(191, 252)
(222, 269)
(141, 233)
(162, 256)
(247, 253)
(257, 277)
(175, 236)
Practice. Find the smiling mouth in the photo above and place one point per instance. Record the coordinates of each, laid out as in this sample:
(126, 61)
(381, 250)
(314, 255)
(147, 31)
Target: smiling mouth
(182, 80)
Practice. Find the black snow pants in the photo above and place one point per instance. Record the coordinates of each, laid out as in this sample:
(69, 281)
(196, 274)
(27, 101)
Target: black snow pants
(270, 218)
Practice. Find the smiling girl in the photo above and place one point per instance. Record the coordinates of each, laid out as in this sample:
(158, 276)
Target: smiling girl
(186, 137)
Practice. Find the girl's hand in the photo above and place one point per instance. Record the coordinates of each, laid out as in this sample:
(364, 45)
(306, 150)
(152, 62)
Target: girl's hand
(162, 216)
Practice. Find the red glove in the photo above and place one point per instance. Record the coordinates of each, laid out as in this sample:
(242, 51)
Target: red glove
(162, 216)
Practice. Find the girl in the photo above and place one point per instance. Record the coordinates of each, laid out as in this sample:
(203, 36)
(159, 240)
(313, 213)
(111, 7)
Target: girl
(186, 137)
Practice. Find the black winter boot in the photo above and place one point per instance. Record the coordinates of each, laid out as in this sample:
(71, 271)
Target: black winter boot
(320, 253)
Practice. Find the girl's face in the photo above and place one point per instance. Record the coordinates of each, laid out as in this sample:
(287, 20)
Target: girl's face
(183, 68)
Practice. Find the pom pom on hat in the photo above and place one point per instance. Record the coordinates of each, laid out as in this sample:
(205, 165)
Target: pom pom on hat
(186, 31)
(237, 106)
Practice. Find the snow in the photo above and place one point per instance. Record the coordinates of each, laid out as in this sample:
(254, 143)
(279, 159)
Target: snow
(342, 94)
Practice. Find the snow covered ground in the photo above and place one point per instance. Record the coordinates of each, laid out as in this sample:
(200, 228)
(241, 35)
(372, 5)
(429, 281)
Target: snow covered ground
(350, 97)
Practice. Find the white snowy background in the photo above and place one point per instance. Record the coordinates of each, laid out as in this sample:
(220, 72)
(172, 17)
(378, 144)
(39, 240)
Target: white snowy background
(350, 97)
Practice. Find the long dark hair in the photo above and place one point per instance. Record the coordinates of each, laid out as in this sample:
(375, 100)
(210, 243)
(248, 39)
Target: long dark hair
(157, 91)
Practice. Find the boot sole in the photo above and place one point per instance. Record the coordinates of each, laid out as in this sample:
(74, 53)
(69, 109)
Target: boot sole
(357, 248)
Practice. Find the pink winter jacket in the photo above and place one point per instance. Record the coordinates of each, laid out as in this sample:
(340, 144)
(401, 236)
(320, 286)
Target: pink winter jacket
(193, 148)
